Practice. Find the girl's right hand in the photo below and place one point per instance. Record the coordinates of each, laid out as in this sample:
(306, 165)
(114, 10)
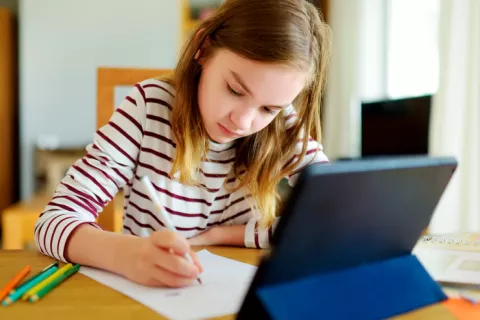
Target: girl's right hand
(159, 260)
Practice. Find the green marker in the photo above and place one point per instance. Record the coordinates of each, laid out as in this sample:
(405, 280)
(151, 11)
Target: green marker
(54, 283)
(18, 293)
(34, 277)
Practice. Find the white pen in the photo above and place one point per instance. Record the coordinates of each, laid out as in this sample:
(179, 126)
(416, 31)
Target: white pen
(166, 218)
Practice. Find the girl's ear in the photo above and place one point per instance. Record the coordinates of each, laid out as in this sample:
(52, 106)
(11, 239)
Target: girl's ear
(206, 43)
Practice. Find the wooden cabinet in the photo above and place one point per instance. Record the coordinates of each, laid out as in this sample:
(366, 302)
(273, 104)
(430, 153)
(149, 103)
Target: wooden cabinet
(8, 110)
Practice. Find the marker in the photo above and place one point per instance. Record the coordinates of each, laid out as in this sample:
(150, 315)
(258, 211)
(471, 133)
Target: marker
(49, 287)
(166, 218)
(17, 294)
(14, 282)
(29, 280)
(45, 282)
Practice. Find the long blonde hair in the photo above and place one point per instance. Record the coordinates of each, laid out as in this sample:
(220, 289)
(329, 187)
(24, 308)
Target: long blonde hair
(287, 32)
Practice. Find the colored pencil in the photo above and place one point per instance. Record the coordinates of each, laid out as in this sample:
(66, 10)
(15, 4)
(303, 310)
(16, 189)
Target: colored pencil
(17, 294)
(45, 282)
(54, 283)
(34, 277)
(14, 282)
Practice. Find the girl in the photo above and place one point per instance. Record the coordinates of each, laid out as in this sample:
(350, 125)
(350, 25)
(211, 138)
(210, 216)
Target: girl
(240, 112)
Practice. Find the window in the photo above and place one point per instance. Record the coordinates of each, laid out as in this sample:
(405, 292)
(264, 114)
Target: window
(412, 47)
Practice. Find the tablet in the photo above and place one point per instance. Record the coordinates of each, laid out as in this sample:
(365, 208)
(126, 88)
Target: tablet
(350, 213)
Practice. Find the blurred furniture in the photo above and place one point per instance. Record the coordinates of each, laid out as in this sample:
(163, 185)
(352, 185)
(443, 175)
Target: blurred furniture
(18, 219)
(51, 165)
(8, 112)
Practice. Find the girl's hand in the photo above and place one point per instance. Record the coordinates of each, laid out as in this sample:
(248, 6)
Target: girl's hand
(159, 260)
(221, 235)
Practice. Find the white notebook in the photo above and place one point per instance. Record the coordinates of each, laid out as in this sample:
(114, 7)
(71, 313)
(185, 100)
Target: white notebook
(225, 283)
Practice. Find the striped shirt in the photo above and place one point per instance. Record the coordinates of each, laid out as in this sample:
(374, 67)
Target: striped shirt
(138, 140)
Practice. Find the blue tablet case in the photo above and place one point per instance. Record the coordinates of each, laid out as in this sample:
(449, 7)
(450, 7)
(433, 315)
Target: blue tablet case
(372, 291)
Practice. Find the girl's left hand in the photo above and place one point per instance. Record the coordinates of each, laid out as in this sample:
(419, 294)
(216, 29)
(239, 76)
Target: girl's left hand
(221, 235)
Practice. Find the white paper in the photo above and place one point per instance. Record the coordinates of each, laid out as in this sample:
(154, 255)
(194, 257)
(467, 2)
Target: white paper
(451, 266)
(225, 283)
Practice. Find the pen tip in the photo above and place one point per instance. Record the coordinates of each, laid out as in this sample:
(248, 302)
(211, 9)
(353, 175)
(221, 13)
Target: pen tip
(199, 281)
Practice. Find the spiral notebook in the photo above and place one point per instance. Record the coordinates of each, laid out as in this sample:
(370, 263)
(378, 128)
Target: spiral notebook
(452, 259)
(455, 241)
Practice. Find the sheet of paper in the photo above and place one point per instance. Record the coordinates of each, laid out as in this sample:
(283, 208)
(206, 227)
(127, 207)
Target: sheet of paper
(451, 266)
(225, 283)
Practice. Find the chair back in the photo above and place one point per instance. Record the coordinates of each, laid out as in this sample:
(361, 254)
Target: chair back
(107, 80)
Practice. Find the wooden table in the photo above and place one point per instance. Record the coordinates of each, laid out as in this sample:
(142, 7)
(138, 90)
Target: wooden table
(83, 298)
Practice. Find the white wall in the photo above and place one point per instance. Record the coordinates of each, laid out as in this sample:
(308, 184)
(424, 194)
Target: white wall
(62, 42)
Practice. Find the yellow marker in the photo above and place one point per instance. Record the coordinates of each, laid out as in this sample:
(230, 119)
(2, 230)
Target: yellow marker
(45, 282)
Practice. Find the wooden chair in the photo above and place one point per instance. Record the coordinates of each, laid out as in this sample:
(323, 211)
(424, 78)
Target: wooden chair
(18, 219)
(107, 79)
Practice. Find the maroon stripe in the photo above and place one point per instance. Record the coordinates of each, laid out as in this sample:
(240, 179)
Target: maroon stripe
(53, 234)
(116, 146)
(142, 92)
(106, 175)
(220, 151)
(63, 206)
(211, 190)
(120, 174)
(225, 196)
(129, 230)
(41, 214)
(157, 171)
(172, 195)
(231, 204)
(221, 161)
(106, 159)
(98, 202)
(184, 214)
(157, 153)
(131, 100)
(241, 213)
(160, 137)
(151, 85)
(159, 101)
(132, 120)
(310, 151)
(87, 175)
(46, 232)
(95, 147)
(78, 203)
(257, 243)
(303, 167)
(124, 133)
(213, 175)
(37, 235)
(159, 119)
(138, 193)
(138, 223)
(146, 211)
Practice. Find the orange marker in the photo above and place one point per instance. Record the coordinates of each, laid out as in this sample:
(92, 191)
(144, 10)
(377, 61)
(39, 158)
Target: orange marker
(14, 282)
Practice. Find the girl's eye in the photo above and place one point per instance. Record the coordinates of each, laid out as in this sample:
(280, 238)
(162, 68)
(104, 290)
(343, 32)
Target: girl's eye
(269, 111)
(235, 93)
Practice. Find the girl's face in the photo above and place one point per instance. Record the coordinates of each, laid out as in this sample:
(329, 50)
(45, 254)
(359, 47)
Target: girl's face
(238, 97)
